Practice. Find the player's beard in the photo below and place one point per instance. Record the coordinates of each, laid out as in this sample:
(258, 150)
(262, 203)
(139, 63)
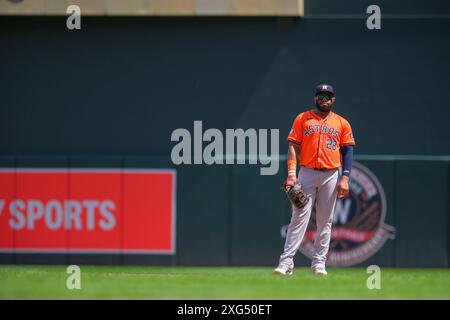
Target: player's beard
(323, 109)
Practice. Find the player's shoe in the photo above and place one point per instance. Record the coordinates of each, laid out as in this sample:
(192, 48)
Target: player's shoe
(319, 271)
(283, 271)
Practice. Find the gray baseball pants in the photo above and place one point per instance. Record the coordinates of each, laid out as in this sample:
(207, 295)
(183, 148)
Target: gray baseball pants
(320, 186)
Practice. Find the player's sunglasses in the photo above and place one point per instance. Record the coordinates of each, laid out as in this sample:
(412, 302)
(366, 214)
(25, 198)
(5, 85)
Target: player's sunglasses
(327, 96)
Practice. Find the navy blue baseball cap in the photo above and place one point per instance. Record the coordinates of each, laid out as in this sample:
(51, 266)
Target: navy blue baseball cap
(324, 88)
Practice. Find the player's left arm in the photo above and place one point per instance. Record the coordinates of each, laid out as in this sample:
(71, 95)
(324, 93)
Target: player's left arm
(347, 159)
(346, 149)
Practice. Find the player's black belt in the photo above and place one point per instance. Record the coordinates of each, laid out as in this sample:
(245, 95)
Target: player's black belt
(320, 169)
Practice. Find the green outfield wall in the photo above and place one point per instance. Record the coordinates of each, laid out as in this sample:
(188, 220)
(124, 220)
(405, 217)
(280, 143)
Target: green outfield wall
(232, 215)
(110, 95)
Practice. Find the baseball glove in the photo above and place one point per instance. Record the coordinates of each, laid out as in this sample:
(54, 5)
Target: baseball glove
(296, 195)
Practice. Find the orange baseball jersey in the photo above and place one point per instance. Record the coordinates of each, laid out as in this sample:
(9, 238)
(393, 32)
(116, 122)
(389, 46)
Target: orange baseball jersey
(320, 139)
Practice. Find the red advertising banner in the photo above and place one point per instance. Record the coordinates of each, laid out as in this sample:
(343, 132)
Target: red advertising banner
(87, 210)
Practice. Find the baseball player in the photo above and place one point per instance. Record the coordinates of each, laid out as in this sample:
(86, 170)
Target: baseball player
(319, 138)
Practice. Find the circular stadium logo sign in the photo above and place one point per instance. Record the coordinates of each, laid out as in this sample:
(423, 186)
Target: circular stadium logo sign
(358, 230)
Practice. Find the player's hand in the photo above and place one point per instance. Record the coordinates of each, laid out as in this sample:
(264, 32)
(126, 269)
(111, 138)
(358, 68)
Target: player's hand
(291, 180)
(342, 187)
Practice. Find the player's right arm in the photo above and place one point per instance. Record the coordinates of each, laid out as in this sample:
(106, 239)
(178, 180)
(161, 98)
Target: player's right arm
(295, 140)
(292, 156)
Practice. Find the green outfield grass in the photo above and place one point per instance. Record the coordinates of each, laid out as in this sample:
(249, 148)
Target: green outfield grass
(118, 282)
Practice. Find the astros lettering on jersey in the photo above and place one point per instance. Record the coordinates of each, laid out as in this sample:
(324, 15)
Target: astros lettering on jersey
(320, 139)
